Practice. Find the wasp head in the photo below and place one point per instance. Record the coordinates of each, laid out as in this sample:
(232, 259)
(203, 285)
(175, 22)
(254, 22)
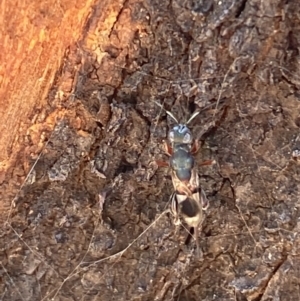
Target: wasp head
(180, 134)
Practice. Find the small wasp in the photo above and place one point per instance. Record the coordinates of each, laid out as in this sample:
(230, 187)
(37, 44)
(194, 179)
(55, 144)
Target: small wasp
(188, 199)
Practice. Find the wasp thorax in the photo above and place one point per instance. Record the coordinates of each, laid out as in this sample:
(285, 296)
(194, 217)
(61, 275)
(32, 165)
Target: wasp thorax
(181, 159)
(180, 134)
(182, 164)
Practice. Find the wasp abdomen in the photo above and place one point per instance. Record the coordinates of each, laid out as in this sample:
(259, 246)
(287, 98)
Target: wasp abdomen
(190, 210)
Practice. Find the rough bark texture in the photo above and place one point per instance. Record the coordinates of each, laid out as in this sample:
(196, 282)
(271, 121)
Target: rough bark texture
(88, 214)
(36, 37)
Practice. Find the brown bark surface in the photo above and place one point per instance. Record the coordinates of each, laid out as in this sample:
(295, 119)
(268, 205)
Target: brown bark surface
(84, 204)
(36, 37)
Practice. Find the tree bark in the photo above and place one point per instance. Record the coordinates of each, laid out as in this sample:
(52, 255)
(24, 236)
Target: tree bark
(35, 37)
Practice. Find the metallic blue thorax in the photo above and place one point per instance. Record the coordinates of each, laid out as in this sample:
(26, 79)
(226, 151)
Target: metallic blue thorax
(182, 162)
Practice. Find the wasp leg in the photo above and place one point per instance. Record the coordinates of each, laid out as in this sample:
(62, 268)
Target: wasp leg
(161, 163)
(199, 253)
(195, 147)
(207, 163)
(194, 235)
(177, 223)
(168, 149)
(204, 200)
(174, 209)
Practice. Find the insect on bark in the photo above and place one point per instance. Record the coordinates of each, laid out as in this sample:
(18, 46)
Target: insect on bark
(188, 199)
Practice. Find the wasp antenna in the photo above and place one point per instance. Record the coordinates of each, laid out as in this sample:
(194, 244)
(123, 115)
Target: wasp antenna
(172, 116)
(192, 117)
(168, 112)
(158, 104)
